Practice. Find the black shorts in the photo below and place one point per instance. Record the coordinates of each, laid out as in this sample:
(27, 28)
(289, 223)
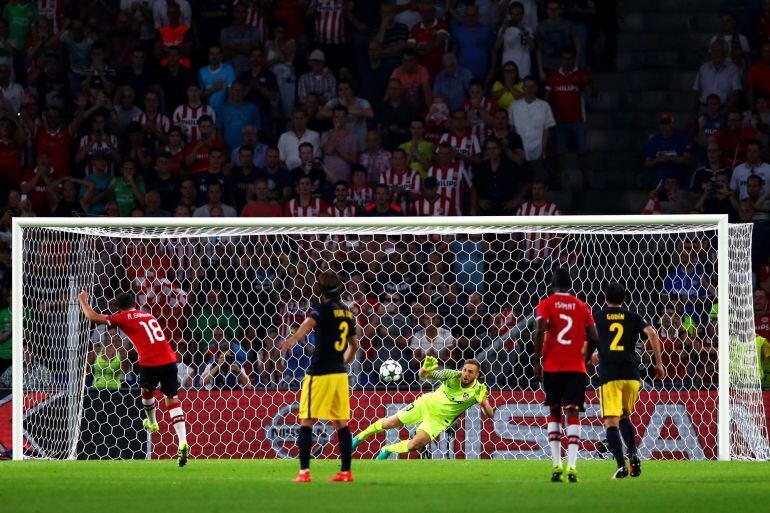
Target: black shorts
(565, 389)
(166, 375)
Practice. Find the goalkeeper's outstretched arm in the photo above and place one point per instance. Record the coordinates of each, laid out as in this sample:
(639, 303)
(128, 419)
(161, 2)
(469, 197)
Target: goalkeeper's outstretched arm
(88, 311)
(430, 370)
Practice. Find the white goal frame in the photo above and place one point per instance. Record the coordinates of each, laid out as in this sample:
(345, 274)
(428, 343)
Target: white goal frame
(719, 222)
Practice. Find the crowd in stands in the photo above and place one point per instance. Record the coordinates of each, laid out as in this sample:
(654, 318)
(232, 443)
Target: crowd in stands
(155, 108)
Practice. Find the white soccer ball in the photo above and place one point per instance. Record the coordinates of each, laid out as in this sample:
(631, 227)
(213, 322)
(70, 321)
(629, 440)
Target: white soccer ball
(391, 371)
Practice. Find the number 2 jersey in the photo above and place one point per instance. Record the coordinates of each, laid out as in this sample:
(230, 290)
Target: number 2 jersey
(567, 318)
(619, 331)
(334, 327)
(145, 333)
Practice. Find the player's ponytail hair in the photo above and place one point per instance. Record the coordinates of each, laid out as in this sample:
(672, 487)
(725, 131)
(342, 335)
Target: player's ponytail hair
(328, 284)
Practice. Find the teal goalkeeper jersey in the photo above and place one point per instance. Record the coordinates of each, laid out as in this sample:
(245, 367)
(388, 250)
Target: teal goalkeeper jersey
(451, 399)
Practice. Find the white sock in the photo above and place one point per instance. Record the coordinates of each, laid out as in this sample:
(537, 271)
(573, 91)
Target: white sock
(554, 440)
(573, 436)
(149, 409)
(177, 418)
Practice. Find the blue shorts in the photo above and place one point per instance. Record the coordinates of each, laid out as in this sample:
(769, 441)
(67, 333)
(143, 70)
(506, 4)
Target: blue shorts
(571, 136)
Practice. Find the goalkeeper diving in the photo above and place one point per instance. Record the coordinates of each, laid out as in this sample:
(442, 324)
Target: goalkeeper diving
(434, 411)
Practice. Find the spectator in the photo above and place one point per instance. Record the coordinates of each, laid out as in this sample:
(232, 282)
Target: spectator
(382, 206)
(138, 74)
(289, 142)
(279, 182)
(752, 167)
(250, 137)
(318, 80)
(268, 362)
(404, 183)
(687, 286)
(235, 115)
(499, 184)
(432, 204)
(174, 78)
(124, 112)
(10, 91)
(219, 342)
(415, 81)
(718, 76)
(238, 39)
(472, 42)
(359, 110)
(452, 82)
(734, 139)
(434, 339)
(260, 205)
(243, 176)
(532, 118)
(419, 152)
(216, 78)
(553, 35)
(374, 75)
(513, 146)
(374, 158)
(152, 205)
(538, 247)
(161, 15)
(471, 328)
(312, 168)
(313, 108)
(392, 35)
(669, 152)
(731, 37)
(109, 361)
(745, 13)
(78, 45)
(509, 87)
(153, 121)
(198, 156)
(163, 182)
(566, 90)
(35, 375)
(761, 313)
(394, 328)
(304, 204)
(394, 116)
(261, 90)
(360, 190)
(65, 199)
(452, 177)
(676, 348)
(340, 146)
(673, 199)
(6, 339)
(480, 110)
(716, 197)
(128, 189)
(711, 121)
(213, 315)
(429, 38)
(465, 145)
(515, 42)
(215, 201)
(342, 206)
(189, 114)
(224, 372)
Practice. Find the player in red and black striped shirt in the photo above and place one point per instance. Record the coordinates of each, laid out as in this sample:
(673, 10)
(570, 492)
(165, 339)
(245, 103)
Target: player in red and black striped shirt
(157, 361)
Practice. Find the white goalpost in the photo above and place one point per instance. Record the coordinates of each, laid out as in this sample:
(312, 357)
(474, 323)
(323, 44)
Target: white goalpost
(229, 289)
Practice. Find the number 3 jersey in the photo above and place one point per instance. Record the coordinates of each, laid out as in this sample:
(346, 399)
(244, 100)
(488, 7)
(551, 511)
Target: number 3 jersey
(567, 318)
(147, 336)
(334, 327)
(619, 331)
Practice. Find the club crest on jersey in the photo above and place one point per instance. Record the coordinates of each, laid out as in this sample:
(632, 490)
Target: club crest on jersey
(465, 396)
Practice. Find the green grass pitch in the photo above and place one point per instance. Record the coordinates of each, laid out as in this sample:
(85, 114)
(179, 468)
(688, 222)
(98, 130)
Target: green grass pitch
(390, 486)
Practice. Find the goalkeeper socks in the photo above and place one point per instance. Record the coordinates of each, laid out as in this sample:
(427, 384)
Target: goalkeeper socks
(177, 418)
(371, 430)
(629, 434)
(149, 409)
(554, 440)
(616, 446)
(399, 447)
(573, 439)
(305, 442)
(345, 441)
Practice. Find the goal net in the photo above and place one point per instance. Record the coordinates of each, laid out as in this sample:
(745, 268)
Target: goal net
(459, 288)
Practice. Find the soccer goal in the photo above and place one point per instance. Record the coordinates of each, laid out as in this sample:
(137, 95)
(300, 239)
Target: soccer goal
(229, 290)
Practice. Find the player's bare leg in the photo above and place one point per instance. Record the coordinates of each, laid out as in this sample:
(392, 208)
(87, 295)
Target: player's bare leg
(554, 441)
(345, 442)
(174, 405)
(305, 443)
(377, 427)
(148, 401)
(573, 441)
(615, 446)
(628, 433)
(417, 442)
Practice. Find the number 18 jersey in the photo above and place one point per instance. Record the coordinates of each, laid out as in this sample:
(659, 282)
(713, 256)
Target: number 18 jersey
(567, 318)
(145, 333)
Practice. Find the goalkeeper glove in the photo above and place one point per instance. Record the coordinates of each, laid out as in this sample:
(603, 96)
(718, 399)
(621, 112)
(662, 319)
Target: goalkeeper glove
(430, 364)
(481, 394)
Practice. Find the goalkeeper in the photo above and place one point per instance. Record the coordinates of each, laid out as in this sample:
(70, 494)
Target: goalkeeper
(435, 411)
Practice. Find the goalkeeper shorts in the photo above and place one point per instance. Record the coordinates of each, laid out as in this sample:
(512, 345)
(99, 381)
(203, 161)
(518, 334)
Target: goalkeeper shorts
(618, 397)
(325, 397)
(418, 411)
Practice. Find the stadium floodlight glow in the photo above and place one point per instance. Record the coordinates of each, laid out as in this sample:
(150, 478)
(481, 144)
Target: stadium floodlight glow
(710, 407)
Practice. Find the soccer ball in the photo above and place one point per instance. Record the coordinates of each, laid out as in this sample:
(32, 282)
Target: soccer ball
(391, 371)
